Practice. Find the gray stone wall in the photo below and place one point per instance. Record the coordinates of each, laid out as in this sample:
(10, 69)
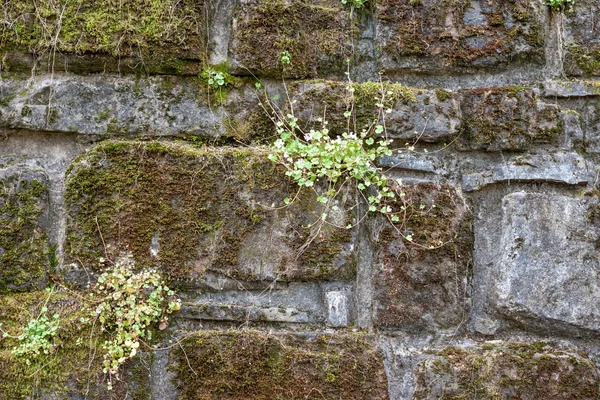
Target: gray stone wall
(126, 148)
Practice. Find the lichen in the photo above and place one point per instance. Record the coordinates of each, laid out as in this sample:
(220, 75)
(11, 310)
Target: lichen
(258, 365)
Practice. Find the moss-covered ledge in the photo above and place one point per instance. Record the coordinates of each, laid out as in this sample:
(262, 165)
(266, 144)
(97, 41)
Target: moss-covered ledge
(189, 210)
(500, 370)
(258, 365)
(163, 36)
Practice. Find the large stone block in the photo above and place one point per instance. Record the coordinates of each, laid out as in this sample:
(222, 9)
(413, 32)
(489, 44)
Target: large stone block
(422, 284)
(543, 271)
(426, 115)
(24, 203)
(438, 35)
(258, 365)
(508, 118)
(109, 106)
(192, 210)
(581, 39)
(104, 35)
(317, 36)
(501, 370)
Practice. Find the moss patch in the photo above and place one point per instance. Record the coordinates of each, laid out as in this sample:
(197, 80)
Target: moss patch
(422, 284)
(23, 244)
(506, 370)
(150, 31)
(316, 34)
(188, 210)
(507, 118)
(256, 365)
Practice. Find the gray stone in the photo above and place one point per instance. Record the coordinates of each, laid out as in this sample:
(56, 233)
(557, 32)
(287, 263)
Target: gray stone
(567, 168)
(103, 105)
(580, 39)
(549, 267)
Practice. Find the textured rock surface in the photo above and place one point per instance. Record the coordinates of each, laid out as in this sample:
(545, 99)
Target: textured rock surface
(24, 206)
(255, 365)
(113, 141)
(434, 35)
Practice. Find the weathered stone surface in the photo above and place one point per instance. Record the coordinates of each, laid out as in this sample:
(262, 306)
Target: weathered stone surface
(435, 35)
(24, 205)
(190, 210)
(507, 118)
(565, 168)
(107, 106)
(503, 370)
(162, 37)
(545, 274)
(426, 115)
(295, 303)
(581, 39)
(421, 284)
(257, 365)
(317, 35)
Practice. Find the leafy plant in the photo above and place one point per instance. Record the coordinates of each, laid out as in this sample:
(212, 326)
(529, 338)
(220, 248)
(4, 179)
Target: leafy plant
(355, 3)
(560, 5)
(215, 79)
(285, 58)
(127, 305)
(37, 338)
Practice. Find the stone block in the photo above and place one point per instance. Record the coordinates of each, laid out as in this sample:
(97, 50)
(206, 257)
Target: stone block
(24, 207)
(506, 370)
(508, 118)
(581, 39)
(563, 168)
(434, 36)
(103, 36)
(421, 284)
(544, 273)
(191, 210)
(259, 365)
(426, 115)
(317, 36)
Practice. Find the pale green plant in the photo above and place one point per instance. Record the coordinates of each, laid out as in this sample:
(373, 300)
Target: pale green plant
(560, 5)
(355, 3)
(285, 58)
(128, 304)
(215, 79)
(37, 338)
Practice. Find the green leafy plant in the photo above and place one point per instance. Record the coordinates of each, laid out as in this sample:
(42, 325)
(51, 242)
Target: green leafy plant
(128, 304)
(285, 58)
(326, 163)
(37, 338)
(355, 3)
(215, 79)
(560, 5)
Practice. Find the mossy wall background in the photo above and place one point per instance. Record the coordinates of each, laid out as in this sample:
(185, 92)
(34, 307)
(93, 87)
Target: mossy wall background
(111, 142)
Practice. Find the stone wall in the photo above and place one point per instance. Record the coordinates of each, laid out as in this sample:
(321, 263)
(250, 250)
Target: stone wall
(112, 143)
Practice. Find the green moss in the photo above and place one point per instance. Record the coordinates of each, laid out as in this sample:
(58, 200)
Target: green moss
(22, 243)
(507, 118)
(530, 371)
(587, 61)
(316, 34)
(155, 31)
(256, 365)
(443, 95)
(419, 280)
(201, 205)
